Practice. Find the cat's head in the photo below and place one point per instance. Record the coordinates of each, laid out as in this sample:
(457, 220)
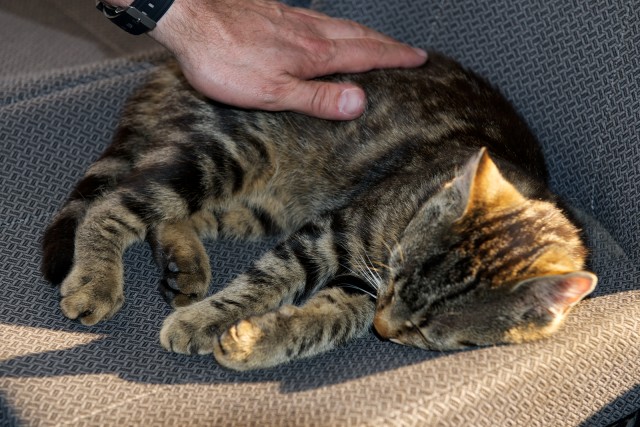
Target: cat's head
(480, 264)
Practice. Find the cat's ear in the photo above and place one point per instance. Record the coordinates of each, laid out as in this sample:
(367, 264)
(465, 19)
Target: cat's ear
(558, 293)
(481, 185)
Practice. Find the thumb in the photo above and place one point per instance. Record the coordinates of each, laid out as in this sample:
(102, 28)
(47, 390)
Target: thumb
(333, 101)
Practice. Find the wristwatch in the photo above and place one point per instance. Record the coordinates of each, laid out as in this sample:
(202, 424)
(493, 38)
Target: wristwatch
(138, 18)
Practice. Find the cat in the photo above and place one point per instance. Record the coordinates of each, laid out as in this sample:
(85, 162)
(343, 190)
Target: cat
(428, 218)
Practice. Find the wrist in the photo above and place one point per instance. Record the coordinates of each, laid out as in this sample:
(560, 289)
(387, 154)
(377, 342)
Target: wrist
(171, 29)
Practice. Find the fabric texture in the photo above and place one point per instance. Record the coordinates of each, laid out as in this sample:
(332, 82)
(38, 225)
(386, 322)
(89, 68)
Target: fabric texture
(571, 68)
(39, 35)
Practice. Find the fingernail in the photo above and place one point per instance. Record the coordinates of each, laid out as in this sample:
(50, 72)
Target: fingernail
(350, 102)
(420, 52)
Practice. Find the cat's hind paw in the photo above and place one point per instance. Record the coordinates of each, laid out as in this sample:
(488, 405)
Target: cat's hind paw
(184, 263)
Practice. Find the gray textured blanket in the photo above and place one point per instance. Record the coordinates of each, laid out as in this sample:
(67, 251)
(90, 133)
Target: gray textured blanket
(572, 70)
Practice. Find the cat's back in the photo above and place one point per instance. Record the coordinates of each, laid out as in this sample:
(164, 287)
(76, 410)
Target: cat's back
(424, 121)
(441, 103)
(432, 118)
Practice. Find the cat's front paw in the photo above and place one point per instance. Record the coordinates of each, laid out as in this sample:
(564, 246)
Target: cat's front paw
(91, 297)
(254, 343)
(191, 329)
(236, 347)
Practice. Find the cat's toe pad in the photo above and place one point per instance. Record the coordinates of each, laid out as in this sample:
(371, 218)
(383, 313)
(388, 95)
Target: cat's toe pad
(186, 278)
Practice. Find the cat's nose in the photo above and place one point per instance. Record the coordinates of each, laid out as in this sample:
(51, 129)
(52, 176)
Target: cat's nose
(383, 327)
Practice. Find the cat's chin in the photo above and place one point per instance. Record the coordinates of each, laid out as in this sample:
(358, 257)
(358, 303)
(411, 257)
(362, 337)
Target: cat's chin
(400, 342)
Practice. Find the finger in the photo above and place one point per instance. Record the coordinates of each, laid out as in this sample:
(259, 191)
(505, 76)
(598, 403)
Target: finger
(338, 28)
(359, 55)
(343, 29)
(332, 101)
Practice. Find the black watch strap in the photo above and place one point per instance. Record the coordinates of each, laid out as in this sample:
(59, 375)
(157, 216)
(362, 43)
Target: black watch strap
(138, 18)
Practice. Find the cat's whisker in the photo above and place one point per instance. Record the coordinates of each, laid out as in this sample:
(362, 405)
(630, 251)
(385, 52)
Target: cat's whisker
(349, 269)
(374, 270)
(370, 264)
(369, 278)
(372, 277)
(401, 252)
(375, 296)
(365, 269)
(359, 273)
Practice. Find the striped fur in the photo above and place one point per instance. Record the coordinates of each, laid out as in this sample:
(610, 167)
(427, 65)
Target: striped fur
(429, 217)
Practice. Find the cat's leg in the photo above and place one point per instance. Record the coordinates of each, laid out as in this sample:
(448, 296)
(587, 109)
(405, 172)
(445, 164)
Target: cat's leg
(179, 253)
(291, 271)
(93, 290)
(330, 318)
(104, 175)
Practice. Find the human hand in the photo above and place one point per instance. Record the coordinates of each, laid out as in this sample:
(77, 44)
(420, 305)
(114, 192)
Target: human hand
(261, 54)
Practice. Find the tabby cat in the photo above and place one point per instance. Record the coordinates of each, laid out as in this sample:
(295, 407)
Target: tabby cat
(429, 217)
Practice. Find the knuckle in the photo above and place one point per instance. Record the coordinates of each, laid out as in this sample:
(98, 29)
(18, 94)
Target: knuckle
(320, 98)
(319, 49)
(358, 29)
(273, 95)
